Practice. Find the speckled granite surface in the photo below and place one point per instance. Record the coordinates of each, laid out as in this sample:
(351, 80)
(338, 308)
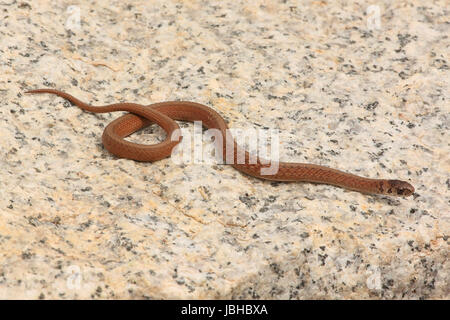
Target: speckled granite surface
(342, 89)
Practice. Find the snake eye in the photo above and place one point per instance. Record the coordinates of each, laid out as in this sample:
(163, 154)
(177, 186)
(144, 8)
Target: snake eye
(401, 188)
(405, 192)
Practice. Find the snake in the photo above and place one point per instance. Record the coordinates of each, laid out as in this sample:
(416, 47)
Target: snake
(165, 114)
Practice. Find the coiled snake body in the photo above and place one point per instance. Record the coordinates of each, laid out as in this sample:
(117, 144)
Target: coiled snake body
(165, 113)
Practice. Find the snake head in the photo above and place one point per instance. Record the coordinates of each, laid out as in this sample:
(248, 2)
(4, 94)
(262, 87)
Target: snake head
(397, 188)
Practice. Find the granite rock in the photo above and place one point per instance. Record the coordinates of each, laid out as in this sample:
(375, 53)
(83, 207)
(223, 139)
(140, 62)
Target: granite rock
(345, 84)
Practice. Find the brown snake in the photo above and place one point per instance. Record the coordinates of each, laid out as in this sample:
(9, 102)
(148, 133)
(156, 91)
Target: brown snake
(164, 114)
